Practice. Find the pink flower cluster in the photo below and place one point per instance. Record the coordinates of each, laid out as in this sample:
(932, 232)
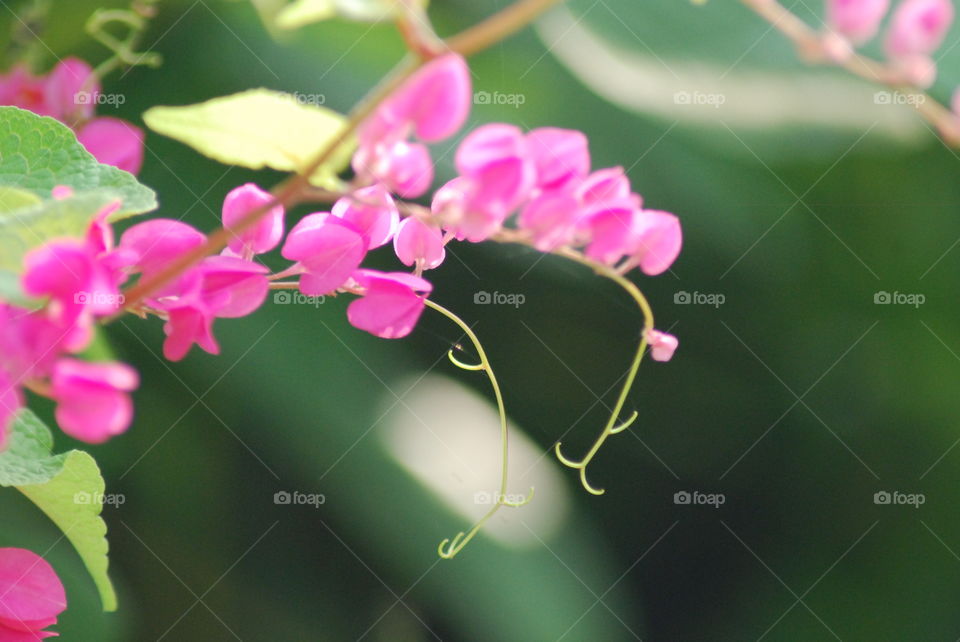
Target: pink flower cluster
(543, 177)
(70, 93)
(80, 281)
(916, 30)
(31, 596)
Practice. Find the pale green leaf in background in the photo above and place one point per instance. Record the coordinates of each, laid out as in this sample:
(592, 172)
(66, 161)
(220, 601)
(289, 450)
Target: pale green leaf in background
(303, 12)
(257, 128)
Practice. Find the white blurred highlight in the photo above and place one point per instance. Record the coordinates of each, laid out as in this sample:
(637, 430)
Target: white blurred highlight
(448, 438)
(751, 99)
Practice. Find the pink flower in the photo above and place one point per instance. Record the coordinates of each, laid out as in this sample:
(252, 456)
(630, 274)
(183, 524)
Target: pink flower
(93, 403)
(71, 276)
(372, 211)
(70, 91)
(857, 20)
(560, 156)
(391, 303)
(219, 287)
(489, 144)
(658, 241)
(404, 168)
(188, 324)
(266, 234)
(918, 27)
(22, 89)
(604, 186)
(551, 218)
(328, 249)
(114, 142)
(154, 244)
(612, 232)
(434, 102)
(662, 345)
(31, 596)
(417, 243)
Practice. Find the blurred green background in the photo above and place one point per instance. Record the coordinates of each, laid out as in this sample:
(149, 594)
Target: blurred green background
(798, 398)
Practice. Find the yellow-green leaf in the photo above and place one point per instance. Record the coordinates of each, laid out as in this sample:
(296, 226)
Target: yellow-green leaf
(258, 128)
(303, 12)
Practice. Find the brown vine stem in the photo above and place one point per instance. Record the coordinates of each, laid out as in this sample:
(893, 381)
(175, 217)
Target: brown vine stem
(812, 48)
(288, 193)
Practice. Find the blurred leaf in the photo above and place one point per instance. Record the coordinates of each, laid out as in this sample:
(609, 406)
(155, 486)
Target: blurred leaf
(12, 198)
(67, 487)
(38, 153)
(257, 128)
(29, 227)
(304, 12)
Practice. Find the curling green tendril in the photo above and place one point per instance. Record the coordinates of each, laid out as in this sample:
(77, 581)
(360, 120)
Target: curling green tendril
(449, 548)
(135, 20)
(612, 427)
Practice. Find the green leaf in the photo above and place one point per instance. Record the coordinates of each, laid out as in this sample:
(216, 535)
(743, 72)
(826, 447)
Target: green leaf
(12, 198)
(257, 128)
(304, 12)
(68, 488)
(28, 227)
(38, 153)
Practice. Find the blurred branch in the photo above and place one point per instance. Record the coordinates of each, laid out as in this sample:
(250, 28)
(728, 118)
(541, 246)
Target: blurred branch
(827, 48)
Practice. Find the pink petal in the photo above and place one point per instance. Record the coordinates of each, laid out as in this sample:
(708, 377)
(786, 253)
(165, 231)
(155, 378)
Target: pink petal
(266, 233)
(603, 186)
(92, 400)
(560, 155)
(612, 233)
(70, 91)
(658, 242)
(662, 345)
(436, 99)
(373, 211)
(390, 306)
(857, 20)
(490, 144)
(186, 326)
(22, 89)
(918, 27)
(416, 241)
(233, 287)
(30, 590)
(408, 169)
(154, 244)
(114, 142)
(329, 248)
(551, 217)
